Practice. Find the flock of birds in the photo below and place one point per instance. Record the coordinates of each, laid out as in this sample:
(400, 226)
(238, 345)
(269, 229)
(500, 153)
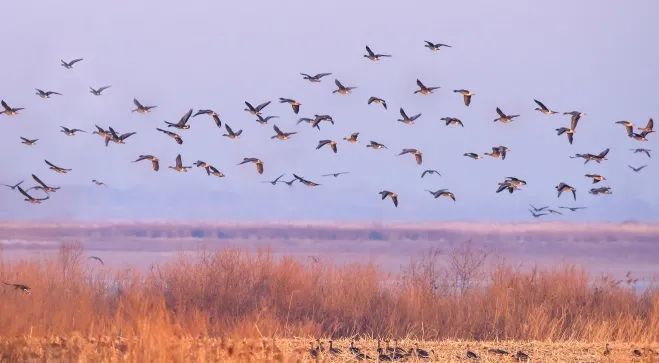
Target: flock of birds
(175, 132)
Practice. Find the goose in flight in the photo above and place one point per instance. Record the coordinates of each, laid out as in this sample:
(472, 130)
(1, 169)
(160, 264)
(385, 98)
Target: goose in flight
(499, 152)
(341, 89)
(331, 143)
(466, 95)
(290, 182)
(31, 199)
(256, 110)
(417, 154)
(435, 46)
(352, 138)
(407, 120)
(106, 135)
(230, 133)
(10, 111)
(573, 209)
(645, 151)
(24, 288)
(629, 126)
(70, 132)
(544, 109)
(320, 118)
(336, 175)
(503, 118)
(596, 178)
(46, 94)
(210, 113)
(423, 89)
(536, 214)
(264, 120)
(575, 116)
(116, 138)
(601, 190)
(98, 92)
(155, 162)
(442, 193)
(311, 121)
(141, 108)
(376, 145)
(512, 184)
(306, 182)
(173, 135)
(452, 121)
(99, 183)
(316, 78)
(257, 162)
(43, 186)
(96, 258)
(13, 187)
(280, 135)
(28, 142)
(640, 136)
(182, 124)
(637, 169)
(69, 65)
(373, 56)
(179, 165)
(430, 172)
(211, 170)
(295, 105)
(57, 169)
(275, 181)
(562, 187)
(567, 131)
(472, 155)
(648, 127)
(588, 157)
(538, 209)
(394, 197)
(377, 100)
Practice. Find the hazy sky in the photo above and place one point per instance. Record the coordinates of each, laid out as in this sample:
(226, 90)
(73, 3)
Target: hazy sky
(597, 57)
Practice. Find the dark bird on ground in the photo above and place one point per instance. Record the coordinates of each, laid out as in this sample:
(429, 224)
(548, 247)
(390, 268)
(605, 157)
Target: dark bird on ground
(331, 143)
(28, 142)
(466, 95)
(503, 118)
(607, 351)
(521, 356)
(435, 46)
(498, 152)
(336, 175)
(57, 169)
(97, 259)
(568, 131)
(333, 350)
(418, 352)
(562, 187)
(99, 183)
(13, 187)
(155, 162)
(173, 135)
(46, 94)
(473, 156)
(452, 121)
(407, 119)
(423, 89)
(31, 199)
(69, 65)
(179, 165)
(377, 100)
(638, 168)
(43, 186)
(544, 109)
(295, 105)
(376, 145)
(230, 134)
(257, 162)
(600, 190)
(637, 353)
(394, 197)
(256, 110)
(442, 193)
(373, 56)
(588, 157)
(182, 124)
(98, 92)
(10, 111)
(274, 182)
(316, 78)
(352, 138)
(596, 177)
(280, 135)
(430, 171)
(341, 89)
(306, 182)
(573, 209)
(141, 108)
(497, 351)
(210, 113)
(264, 120)
(70, 132)
(473, 356)
(645, 151)
(24, 288)
(418, 156)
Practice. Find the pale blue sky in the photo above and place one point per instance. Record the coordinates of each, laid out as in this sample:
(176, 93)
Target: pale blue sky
(593, 56)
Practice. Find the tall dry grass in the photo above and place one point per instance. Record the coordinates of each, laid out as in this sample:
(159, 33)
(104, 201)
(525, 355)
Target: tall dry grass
(236, 293)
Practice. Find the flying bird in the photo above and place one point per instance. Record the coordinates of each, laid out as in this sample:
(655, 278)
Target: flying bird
(211, 170)
(408, 120)
(567, 131)
(373, 56)
(117, 138)
(256, 110)
(97, 259)
(331, 143)
(544, 109)
(575, 116)
(275, 181)
(57, 169)
(595, 177)
(257, 162)
(417, 154)
(600, 190)
(341, 89)
(352, 138)
(511, 184)
(31, 199)
(13, 187)
(316, 78)
(588, 157)
(435, 46)
(28, 142)
(295, 105)
(46, 94)
(648, 127)
(10, 111)
(637, 169)
(230, 133)
(155, 162)
(173, 135)
(394, 197)
(452, 121)
(562, 187)
(377, 100)
(442, 193)
(141, 108)
(43, 186)
(499, 152)
(306, 182)
(336, 175)
(264, 120)
(645, 151)
(210, 113)
(473, 156)
(423, 89)
(537, 215)
(69, 65)
(70, 132)
(538, 209)
(179, 165)
(430, 172)
(98, 92)
(99, 183)
(376, 145)
(280, 135)
(503, 118)
(573, 209)
(466, 95)
(182, 124)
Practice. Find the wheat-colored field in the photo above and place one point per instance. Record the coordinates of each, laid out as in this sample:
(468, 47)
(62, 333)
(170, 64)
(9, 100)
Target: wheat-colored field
(231, 305)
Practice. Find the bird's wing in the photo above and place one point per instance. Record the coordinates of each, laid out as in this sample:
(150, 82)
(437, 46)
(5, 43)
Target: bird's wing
(321, 75)
(262, 106)
(185, 117)
(420, 84)
(500, 112)
(24, 192)
(229, 130)
(137, 103)
(338, 84)
(179, 162)
(370, 52)
(402, 113)
(39, 181)
(542, 105)
(103, 88)
(51, 164)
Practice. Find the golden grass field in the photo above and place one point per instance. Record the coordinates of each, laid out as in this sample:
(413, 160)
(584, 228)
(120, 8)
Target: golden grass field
(231, 305)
